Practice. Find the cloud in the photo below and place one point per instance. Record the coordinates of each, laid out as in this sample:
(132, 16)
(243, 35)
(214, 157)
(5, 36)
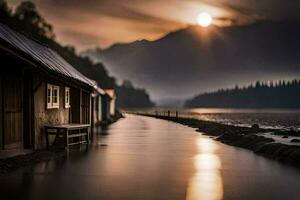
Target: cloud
(109, 21)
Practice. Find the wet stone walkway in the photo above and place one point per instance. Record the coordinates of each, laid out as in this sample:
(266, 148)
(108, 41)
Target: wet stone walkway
(141, 158)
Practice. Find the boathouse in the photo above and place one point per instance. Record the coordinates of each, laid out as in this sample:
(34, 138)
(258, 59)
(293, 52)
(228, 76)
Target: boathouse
(112, 101)
(38, 87)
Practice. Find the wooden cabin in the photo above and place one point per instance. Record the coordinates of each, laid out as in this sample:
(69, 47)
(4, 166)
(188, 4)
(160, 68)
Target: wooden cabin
(38, 87)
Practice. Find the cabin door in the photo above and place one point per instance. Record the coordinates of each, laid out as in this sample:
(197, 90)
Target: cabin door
(85, 108)
(75, 106)
(13, 112)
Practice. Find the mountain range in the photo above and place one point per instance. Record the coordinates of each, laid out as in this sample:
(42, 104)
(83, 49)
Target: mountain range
(194, 60)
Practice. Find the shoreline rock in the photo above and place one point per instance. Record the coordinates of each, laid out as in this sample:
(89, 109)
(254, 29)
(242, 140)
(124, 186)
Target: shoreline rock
(293, 133)
(295, 140)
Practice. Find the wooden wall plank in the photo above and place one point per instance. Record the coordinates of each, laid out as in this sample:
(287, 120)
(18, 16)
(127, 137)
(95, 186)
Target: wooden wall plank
(13, 110)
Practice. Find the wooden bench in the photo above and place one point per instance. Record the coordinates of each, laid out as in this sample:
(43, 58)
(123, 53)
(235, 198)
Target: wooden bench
(67, 132)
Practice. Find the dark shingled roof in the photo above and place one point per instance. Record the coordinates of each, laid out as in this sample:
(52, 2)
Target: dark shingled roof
(44, 55)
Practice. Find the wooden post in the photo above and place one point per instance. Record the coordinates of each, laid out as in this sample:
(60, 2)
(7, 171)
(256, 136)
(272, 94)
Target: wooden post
(88, 136)
(169, 113)
(47, 137)
(80, 106)
(66, 137)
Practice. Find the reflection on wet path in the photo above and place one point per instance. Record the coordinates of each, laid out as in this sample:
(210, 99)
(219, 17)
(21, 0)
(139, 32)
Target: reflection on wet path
(141, 158)
(207, 181)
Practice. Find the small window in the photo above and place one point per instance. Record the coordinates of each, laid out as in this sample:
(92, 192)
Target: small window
(49, 96)
(52, 96)
(67, 97)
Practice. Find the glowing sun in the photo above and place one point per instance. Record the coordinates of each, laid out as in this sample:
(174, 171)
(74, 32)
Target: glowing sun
(204, 19)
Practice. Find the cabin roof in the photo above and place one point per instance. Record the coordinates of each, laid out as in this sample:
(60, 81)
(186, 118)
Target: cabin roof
(45, 56)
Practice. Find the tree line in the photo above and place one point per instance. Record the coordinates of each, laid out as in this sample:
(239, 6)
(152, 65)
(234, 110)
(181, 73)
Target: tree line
(132, 94)
(26, 19)
(279, 94)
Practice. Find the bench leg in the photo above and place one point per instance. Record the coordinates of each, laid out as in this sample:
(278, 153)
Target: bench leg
(66, 136)
(88, 136)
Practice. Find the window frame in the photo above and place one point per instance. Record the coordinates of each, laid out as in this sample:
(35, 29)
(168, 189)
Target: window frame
(52, 104)
(67, 97)
(55, 104)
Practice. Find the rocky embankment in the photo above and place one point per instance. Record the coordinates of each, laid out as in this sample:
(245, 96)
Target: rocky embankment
(246, 137)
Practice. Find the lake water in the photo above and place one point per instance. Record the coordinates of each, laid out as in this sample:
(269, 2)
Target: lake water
(269, 118)
(142, 158)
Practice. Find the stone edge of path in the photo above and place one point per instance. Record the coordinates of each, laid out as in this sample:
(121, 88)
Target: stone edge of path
(243, 137)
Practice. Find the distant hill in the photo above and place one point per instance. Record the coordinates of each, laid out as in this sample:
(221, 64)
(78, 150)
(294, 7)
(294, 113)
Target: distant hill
(132, 97)
(280, 95)
(193, 60)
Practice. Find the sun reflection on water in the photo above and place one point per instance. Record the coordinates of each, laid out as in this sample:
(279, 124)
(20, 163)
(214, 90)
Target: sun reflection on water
(207, 182)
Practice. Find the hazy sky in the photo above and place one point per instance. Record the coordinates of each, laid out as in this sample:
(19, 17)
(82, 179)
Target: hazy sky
(90, 23)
